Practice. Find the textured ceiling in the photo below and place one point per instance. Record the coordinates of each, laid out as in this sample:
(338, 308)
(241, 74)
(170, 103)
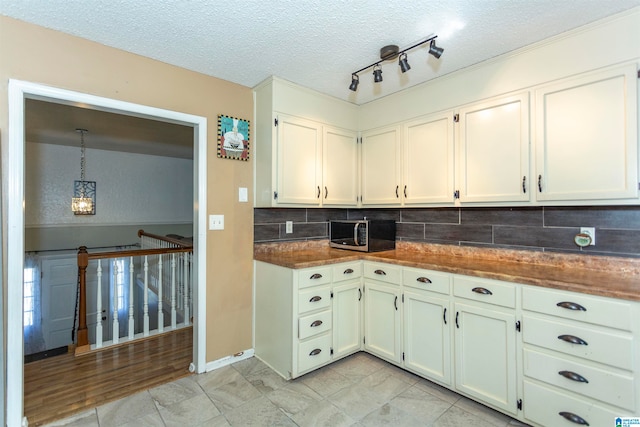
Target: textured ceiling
(314, 43)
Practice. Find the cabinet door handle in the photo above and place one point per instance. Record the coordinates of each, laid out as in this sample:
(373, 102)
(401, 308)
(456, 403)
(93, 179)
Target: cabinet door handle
(457, 324)
(573, 376)
(572, 339)
(395, 303)
(315, 352)
(405, 191)
(316, 276)
(444, 315)
(315, 299)
(571, 306)
(524, 184)
(397, 188)
(316, 323)
(423, 280)
(540, 183)
(326, 192)
(318, 192)
(483, 291)
(573, 418)
(359, 294)
(348, 271)
(380, 272)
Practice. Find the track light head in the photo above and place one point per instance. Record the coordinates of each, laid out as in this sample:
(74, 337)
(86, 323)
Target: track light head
(404, 64)
(377, 73)
(435, 50)
(354, 82)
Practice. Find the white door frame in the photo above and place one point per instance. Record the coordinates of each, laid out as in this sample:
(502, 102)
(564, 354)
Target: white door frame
(18, 92)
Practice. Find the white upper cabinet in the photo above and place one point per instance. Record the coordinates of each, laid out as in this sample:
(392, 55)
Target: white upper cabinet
(493, 145)
(586, 137)
(340, 171)
(299, 164)
(428, 160)
(381, 164)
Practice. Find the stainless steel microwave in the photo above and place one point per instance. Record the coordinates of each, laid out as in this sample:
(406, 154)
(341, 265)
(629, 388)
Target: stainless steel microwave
(363, 235)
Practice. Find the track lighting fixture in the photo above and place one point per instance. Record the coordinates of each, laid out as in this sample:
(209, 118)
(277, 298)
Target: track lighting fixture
(391, 52)
(377, 74)
(354, 82)
(404, 64)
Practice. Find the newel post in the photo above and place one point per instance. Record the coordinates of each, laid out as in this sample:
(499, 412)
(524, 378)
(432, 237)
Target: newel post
(83, 262)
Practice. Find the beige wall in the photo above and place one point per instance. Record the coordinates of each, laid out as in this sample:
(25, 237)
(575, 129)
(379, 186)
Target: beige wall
(43, 56)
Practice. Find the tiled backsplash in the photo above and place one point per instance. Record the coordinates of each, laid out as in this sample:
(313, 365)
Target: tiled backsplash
(537, 228)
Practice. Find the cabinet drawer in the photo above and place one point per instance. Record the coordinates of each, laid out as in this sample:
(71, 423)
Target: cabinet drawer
(314, 353)
(342, 272)
(314, 276)
(571, 305)
(484, 290)
(543, 405)
(314, 324)
(383, 272)
(586, 380)
(611, 348)
(314, 298)
(427, 280)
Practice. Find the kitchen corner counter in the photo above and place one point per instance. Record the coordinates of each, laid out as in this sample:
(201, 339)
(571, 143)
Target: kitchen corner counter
(603, 276)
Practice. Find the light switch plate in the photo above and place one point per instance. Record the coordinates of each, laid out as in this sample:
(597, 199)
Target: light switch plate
(216, 222)
(243, 194)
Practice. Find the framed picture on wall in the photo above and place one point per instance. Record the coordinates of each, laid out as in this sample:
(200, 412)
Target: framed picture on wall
(233, 138)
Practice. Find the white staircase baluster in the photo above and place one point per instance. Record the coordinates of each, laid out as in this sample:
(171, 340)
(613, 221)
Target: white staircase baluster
(173, 290)
(145, 307)
(131, 319)
(160, 313)
(99, 307)
(186, 289)
(116, 325)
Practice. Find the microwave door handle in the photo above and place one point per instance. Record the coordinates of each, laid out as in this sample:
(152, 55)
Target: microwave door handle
(355, 233)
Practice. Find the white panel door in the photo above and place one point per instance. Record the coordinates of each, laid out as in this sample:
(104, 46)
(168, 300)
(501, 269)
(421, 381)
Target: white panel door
(428, 154)
(382, 324)
(347, 318)
(299, 168)
(586, 137)
(381, 166)
(494, 150)
(340, 172)
(59, 284)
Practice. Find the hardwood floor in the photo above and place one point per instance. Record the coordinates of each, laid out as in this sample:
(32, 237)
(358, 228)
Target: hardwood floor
(59, 386)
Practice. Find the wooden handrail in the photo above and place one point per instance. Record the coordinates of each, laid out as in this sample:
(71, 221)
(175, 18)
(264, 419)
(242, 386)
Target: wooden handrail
(165, 239)
(137, 252)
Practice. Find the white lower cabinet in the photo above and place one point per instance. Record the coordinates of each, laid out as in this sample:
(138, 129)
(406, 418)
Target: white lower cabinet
(347, 309)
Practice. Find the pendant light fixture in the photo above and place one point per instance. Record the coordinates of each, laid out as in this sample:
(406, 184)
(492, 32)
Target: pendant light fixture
(391, 52)
(84, 191)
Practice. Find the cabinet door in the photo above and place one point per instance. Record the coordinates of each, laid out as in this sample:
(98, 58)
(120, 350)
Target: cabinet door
(427, 338)
(586, 137)
(485, 355)
(494, 150)
(428, 168)
(299, 168)
(340, 171)
(382, 321)
(347, 315)
(381, 166)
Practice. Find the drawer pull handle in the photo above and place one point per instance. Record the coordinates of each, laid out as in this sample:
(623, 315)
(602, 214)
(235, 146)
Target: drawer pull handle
(315, 299)
(483, 291)
(316, 276)
(424, 280)
(348, 271)
(573, 418)
(315, 352)
(571, 306)
(380, 272)
(316, 323)
(572, 339)
(573, 376)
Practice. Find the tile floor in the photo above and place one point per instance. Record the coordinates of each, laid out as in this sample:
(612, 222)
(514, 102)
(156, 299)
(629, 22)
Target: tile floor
(360, 390)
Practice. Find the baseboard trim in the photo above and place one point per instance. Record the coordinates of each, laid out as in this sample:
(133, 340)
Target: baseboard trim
(228, 360)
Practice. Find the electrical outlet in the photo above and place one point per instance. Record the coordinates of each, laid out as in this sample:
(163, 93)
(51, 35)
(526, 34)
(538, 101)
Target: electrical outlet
(591, 232)
(289, 227)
